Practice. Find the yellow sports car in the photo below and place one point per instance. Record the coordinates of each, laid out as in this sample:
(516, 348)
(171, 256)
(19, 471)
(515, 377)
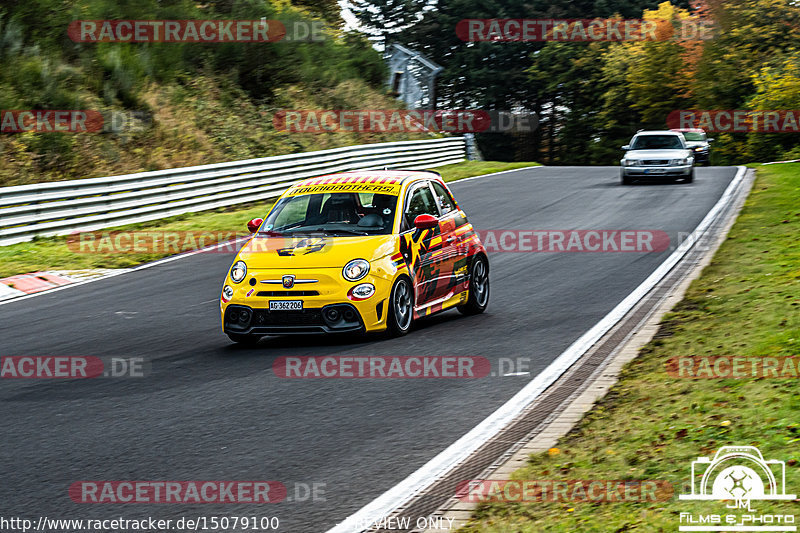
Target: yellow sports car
(355, 252)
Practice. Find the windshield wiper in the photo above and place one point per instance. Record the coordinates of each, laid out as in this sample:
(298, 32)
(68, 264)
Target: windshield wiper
(346, 231)
(307, 231)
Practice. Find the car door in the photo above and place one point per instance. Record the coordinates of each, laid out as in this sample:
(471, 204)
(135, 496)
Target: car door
(453, 261)
(422, 249)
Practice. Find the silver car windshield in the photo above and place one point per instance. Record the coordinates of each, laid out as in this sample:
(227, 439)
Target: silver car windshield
(694, 136)
(657, 142)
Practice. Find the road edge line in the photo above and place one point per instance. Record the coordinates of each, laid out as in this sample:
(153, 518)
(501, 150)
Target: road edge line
(417, 481)
(462, 180)
(601, 383)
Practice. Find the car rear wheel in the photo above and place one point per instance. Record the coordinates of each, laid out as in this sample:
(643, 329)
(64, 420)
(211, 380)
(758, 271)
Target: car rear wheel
(401, 307)
(478, 298)
(244, 340)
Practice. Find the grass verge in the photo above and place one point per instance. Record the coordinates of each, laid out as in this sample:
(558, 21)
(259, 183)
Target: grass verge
(53, 253)
(468, 169)
(652, 426)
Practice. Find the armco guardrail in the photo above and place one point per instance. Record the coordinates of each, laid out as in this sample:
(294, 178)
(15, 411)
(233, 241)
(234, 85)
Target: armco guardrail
(63, 207)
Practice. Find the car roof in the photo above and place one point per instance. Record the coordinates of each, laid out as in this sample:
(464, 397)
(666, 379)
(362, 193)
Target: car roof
(370, 176)
(657, 132)
(688, 130)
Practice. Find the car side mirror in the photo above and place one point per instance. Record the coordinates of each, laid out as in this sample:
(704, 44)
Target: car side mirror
(626, 147)
(710, 140)
(254, 224)
(425, 222)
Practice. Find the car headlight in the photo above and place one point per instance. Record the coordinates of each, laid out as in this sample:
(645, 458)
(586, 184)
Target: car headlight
(684, 161)
(355, 269)
(238, 271)
(227, 293)
(361, 292)
(631, 162)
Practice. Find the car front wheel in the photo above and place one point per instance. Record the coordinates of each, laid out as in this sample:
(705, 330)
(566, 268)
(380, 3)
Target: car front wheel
(478, 298)
(401, 307)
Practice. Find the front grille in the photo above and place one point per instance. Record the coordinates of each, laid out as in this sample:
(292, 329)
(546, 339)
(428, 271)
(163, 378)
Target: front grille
(306, 317)
(655, 162)
(288, 293)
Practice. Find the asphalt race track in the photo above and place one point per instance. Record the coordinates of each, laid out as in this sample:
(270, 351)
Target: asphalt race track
(209, 410)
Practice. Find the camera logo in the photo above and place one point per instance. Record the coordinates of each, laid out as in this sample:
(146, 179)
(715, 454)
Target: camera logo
(738, 475)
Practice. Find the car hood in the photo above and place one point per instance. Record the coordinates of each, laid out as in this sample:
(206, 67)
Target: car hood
(657, 154)
(694, 144)
(262, 252)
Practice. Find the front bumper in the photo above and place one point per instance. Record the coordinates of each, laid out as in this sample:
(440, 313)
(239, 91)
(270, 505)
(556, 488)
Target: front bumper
(657, 172)
(325, 290)
(244, 320)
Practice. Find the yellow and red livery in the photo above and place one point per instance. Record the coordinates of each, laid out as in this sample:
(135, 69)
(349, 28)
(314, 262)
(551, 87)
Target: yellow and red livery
(355, 252)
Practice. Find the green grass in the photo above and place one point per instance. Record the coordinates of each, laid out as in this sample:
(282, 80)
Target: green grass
(54, 253)
(651, 426)
(468, 169)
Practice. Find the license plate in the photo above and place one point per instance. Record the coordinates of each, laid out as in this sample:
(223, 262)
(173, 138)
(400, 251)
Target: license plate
(286, 305)
(655, 171)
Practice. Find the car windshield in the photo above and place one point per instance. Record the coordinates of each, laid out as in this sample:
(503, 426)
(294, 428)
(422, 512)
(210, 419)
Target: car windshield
(694, 136)
(657, 142)
(338, 214)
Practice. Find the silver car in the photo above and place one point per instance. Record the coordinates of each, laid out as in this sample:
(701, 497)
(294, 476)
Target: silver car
(657, 154)
(698, 143)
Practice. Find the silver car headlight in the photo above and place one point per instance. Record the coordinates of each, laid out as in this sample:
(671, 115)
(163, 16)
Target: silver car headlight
(684, 161)
(631, 162)
(238, 271)
(355, 269)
